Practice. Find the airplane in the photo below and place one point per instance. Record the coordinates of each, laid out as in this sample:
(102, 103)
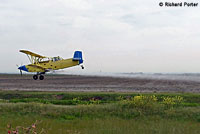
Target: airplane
(42, 64)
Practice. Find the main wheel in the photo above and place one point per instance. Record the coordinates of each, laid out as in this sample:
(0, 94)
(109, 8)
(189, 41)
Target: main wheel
(41, 77)
(35, 77)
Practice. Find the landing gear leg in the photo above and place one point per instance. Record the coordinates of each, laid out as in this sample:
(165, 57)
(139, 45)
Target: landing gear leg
(82, 66)
(35, 77)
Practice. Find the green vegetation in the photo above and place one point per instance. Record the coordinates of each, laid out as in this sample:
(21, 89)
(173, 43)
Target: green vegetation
(101, 113)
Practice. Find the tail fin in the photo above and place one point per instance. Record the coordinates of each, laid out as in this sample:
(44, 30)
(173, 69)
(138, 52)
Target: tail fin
(78, 56)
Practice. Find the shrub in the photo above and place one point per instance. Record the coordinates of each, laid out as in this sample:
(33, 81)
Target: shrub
(170, 102)
(144, 104)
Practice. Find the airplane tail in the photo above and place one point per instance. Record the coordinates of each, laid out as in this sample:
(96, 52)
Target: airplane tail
(78, 56)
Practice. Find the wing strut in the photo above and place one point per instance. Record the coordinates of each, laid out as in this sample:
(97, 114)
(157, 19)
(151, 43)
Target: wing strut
(33, 57)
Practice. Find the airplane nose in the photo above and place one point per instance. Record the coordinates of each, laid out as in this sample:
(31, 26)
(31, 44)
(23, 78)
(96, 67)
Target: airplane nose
(23, 68)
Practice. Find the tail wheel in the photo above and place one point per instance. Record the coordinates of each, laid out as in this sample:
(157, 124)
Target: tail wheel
(82, 66)
(41, 77)
(35, 77)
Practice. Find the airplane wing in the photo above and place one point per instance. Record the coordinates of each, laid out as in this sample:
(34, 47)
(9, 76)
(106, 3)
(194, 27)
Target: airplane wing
(37, 66)
(32, 54)
(42, 69)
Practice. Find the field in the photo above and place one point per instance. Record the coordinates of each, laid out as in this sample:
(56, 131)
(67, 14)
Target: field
(66, 109)
(103, 84)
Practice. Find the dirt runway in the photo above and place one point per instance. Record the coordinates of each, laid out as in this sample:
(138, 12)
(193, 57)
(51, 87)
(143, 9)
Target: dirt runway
(94, 83)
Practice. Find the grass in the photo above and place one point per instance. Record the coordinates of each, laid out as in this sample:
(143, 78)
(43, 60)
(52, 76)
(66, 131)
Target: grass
(101, 113)
(110, 126)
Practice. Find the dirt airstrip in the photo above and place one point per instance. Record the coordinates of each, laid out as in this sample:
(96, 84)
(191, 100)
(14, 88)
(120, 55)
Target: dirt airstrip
(94, 83)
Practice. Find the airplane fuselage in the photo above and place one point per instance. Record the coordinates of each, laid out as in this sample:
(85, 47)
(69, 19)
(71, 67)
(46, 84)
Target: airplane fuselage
(51, 65)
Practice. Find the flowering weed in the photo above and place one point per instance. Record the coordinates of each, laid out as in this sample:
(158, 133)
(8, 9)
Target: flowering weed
(32, 129)
(170, 102)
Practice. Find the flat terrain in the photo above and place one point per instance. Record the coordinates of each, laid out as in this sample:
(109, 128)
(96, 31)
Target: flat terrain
(121, 107)
(94, 83)
(99, 112)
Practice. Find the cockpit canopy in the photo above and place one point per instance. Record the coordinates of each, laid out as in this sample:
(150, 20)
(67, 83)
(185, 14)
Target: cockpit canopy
(56, 58)
(47, 59)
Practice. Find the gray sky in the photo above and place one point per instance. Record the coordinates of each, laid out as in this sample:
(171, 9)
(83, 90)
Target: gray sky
(114, 35)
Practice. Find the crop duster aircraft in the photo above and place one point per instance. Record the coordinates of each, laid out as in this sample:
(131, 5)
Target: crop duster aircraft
(42, 64)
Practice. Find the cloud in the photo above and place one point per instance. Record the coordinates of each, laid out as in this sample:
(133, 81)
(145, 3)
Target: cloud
(114, 35)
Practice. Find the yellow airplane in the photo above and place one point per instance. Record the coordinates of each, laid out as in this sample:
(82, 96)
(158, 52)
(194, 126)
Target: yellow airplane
(42, 64)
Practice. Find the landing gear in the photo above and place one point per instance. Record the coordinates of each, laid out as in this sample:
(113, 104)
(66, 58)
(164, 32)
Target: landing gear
(41, 77)
(35, 77)
(82, 66)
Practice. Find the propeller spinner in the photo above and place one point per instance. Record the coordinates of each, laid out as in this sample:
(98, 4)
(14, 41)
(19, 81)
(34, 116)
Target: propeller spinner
(22, 68)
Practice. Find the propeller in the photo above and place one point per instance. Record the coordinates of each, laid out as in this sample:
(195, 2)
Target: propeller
(20, 70)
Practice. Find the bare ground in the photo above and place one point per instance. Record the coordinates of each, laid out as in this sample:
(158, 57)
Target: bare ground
(94, 83)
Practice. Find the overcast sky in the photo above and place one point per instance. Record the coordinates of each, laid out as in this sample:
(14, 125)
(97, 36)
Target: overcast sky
(114, 35)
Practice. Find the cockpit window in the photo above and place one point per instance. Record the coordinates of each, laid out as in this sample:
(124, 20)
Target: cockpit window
(56, 58)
